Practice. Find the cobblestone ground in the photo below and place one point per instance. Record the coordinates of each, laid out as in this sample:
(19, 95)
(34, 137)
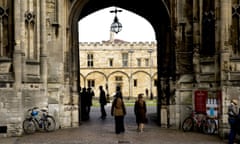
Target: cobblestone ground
(97, 131)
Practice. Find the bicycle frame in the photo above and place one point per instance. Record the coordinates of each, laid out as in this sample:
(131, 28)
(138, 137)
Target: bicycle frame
(198, 118)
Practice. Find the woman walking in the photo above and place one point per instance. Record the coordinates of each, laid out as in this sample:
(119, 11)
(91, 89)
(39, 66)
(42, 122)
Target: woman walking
(118, 111)
(140, 111)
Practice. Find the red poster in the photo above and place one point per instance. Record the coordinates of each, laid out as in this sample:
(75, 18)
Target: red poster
(219, 102)
(200, 101)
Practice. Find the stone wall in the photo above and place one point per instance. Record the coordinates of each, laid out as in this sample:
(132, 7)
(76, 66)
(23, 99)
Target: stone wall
(11, 113)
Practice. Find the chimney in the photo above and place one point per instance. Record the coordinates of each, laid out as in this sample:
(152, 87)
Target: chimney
(111, 36)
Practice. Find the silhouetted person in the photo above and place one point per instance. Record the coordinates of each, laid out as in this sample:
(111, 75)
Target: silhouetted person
(79, 105)
(151, 97)
(103, 102)
(90, 95)
(146, 92)
(118, 111)
(84, 104)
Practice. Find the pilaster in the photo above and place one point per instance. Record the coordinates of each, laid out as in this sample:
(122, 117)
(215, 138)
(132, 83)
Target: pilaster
(225, 50)
(17, 65)
(43, 47)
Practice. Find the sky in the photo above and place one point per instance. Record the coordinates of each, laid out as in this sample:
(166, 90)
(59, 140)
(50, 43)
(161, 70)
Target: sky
(96, 27)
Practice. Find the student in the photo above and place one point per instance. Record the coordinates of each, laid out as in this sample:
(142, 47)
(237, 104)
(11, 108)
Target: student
(118, 110)
(103, 102)
(140, 112)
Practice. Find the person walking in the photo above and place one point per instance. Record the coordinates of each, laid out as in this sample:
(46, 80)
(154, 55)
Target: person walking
(232, 119)
(89, 97)
(140, 111)
(118, 110)
(103, 102)
(84, 104)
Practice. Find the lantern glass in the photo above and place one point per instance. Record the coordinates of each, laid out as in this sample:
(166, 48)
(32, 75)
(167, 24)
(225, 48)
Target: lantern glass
(116, 25)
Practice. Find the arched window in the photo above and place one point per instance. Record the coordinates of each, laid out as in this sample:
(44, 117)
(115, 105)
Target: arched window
(6, 28)
(235, 27)
(208, 29)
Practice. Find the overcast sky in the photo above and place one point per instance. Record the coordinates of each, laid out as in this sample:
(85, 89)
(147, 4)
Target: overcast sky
(96, 27)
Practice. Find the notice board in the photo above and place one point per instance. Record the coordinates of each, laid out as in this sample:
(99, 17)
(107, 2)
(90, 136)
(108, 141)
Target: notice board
(200, 98)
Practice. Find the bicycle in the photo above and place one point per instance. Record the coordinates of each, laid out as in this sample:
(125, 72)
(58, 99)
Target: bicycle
(209, 126)
(200, 121)
(38, 119)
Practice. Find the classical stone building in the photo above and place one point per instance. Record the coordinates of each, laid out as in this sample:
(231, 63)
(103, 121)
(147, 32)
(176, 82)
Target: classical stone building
(197, 47)
(130, 65)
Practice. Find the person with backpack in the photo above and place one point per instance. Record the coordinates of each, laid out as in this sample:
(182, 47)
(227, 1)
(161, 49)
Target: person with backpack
(118, 110)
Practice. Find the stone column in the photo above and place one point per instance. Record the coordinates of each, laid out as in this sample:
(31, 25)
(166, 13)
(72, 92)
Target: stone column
(43, 48)
(17, 64)
(225, 24)
(74, 78)
(196, 39)
(23, 40)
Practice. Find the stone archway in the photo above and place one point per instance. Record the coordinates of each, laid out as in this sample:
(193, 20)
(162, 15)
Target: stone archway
(43, 38)
(159, 18)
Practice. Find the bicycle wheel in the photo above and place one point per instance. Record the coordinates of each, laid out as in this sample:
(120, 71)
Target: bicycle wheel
(209, 126)
(29, 126)
(187, 124)
(49, 123)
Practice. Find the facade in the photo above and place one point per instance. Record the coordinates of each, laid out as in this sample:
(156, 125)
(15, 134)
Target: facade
(130, 65)
(197, 56)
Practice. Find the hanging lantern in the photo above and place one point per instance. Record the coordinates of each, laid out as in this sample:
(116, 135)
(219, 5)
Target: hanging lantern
(116, 26)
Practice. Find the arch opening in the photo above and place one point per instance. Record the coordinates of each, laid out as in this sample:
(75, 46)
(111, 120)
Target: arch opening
(162, 33)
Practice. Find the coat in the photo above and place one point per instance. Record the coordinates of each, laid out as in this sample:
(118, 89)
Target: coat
(140, 111)
(118, 107)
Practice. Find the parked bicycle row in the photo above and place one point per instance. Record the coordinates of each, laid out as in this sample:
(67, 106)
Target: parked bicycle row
(199, 122)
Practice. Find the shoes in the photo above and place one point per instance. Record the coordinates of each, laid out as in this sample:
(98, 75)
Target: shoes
(139, 130)
(103, 117)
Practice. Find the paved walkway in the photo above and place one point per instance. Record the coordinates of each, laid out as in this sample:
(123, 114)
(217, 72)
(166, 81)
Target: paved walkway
(97, 131)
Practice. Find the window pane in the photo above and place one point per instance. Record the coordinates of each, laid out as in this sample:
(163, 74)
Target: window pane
(146, 62)
(125, 59)
(139, 62)
(135, 82)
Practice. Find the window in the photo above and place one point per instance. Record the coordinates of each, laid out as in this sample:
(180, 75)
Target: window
(124, 59)
(235, 29)
(135, 82)
(90, 60)
(208, 28)
(110, 62)
(118, 78)
(91, 83)
(146, 62)
(139, 62)
(155, 82)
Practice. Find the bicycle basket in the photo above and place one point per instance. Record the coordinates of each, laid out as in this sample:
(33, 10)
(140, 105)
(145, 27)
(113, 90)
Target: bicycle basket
(34, 113)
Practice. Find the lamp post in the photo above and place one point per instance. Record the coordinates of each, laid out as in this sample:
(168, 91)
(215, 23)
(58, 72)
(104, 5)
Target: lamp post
(116, 26)
(150, 51)
(130, 80)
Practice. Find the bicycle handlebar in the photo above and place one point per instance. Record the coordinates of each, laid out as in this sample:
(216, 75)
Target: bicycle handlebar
(37, 108)
(31, 109)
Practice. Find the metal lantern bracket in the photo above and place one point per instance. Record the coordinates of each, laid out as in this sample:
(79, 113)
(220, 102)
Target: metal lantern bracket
(116, 26)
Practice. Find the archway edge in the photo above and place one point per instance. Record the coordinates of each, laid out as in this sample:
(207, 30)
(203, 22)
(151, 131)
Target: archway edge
(149, 11)
(158, 17)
